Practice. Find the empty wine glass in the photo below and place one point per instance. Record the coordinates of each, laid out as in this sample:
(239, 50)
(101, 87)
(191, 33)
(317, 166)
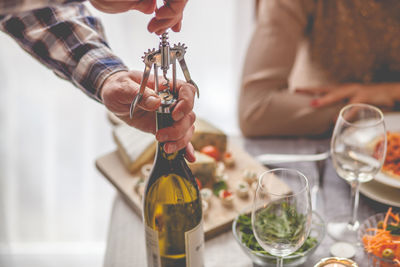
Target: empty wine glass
(358, 149)
(281, 214)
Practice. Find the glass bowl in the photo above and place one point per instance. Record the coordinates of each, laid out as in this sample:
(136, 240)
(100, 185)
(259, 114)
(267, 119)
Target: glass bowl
(317, 231)
(372, 222)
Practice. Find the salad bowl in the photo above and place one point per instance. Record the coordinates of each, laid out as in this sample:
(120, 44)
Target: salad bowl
(242, 232)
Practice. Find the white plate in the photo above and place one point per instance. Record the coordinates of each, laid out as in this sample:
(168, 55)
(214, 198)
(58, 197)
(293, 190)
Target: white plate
(381, 193)
(392, 121)
(387, 180)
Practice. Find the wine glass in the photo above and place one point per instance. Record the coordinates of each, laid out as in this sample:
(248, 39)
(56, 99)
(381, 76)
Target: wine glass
(358, 149)
(281, 214)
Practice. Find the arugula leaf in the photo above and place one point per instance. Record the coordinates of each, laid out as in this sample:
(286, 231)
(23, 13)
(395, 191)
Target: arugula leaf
(394, 229)
(278, 227)
(288, 225)
(218, 186)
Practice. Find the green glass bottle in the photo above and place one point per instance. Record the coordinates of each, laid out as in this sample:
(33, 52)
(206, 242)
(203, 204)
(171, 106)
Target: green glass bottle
(172, 206)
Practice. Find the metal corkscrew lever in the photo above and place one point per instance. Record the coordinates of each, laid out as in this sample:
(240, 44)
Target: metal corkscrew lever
(163, 58)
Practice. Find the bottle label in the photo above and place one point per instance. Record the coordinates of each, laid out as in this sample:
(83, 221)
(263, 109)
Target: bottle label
(194, 246)
(153, 251)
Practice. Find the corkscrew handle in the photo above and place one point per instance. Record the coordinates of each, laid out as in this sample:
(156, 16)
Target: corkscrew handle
(163, 58)
(143, 84)
(186, 73)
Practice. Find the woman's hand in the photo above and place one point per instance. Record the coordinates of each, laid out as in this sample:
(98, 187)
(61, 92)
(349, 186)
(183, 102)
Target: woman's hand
(383, 95)
(120, 88)
(167, 16)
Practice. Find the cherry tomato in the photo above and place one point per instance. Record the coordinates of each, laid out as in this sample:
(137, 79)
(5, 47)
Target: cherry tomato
(226, 193)
(227, 155)
(211, 151)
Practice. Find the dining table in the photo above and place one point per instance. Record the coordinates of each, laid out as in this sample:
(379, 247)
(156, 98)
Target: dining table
(126, 240)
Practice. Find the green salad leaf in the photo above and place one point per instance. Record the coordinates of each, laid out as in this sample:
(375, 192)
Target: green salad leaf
(280, 222)
(287, 224)
(394, 229)
(218, 186)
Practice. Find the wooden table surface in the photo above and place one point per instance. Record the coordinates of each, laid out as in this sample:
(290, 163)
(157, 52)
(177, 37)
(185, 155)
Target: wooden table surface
(126, 244)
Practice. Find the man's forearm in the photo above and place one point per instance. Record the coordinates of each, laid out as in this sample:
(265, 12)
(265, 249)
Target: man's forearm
(69, 41)
(17, 6)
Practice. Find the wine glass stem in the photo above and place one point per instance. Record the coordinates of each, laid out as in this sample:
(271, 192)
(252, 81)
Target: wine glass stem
(279, 261)
(355, 196)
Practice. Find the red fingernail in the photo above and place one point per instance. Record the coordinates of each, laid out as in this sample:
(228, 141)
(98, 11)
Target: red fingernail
(314, 103)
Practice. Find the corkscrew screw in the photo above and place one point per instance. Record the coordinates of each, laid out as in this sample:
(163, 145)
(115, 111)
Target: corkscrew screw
(163, 58)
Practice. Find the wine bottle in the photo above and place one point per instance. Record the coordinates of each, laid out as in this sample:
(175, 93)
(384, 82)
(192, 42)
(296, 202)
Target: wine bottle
(172, 206)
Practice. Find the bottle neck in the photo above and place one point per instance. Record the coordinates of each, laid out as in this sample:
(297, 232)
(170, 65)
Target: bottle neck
(164, 120)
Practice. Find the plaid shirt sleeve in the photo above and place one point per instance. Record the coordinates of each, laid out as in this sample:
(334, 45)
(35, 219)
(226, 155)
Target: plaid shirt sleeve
(15, 6)
(68, 40)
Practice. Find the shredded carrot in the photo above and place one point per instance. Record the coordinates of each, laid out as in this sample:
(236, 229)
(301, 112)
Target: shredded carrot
(387, 218)
(395, 217)
(377, 240)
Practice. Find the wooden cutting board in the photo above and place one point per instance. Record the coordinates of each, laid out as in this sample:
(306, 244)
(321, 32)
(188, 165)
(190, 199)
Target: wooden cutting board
(218, 218)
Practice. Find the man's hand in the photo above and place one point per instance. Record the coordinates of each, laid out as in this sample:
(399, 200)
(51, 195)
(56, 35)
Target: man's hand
(167, 16)
(119, 6)
(118, 92)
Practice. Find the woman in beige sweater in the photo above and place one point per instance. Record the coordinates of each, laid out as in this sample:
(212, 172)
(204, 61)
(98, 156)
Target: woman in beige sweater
(308, 58)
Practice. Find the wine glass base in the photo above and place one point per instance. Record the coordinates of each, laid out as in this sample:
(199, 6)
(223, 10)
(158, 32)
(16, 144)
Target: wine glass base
(340, 229)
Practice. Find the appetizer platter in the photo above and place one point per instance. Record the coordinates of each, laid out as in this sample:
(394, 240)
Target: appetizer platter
(226, 175)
